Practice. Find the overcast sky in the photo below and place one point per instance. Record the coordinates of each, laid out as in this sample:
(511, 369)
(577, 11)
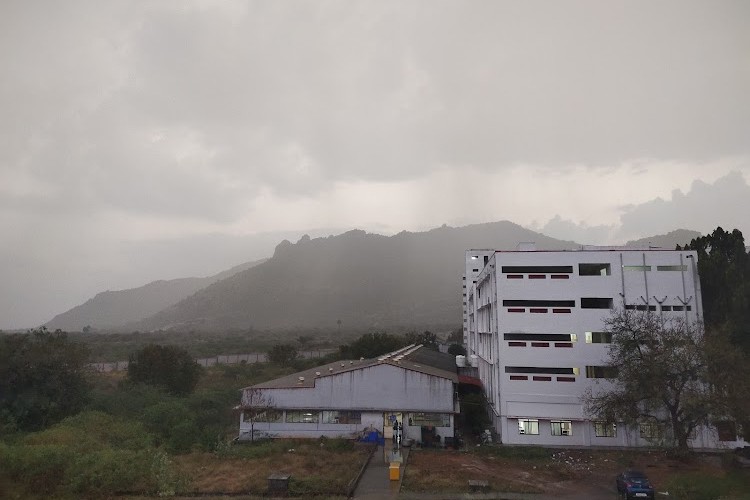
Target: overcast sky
(144, 140)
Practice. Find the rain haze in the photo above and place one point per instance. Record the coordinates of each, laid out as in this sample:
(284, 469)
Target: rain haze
(157, 140)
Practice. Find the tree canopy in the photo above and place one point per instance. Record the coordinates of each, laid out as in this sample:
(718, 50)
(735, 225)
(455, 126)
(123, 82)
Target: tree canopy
(283, 354)
(372, 345)
(170, 367)
(43, 378)
(724, 270)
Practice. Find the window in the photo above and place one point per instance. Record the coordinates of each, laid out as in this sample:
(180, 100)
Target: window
(598, 337)
(636, 268)
(537, 269)
(265, 416)
(539, 303)
(433, 419)
(666, 308)
(596, 303)
(538, 369)
(671, 268)
(594, 269)
(681, 308)
(549, 337)
(650, 430)
(475, 270)
(341, 417)
(600, 372)
(302, 416)
(528, 426)
(561, 428)
(727, 430)
(605, 429)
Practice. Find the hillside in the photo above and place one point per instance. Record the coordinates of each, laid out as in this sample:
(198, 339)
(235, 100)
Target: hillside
(364, 280)
(114, 309)
(669, 241)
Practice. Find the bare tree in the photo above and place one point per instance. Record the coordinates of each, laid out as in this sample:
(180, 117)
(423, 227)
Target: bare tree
(659, 371)
(257, 406)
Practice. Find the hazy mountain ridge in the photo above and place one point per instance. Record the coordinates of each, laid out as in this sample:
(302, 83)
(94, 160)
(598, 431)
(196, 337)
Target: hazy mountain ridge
(366, 280)
(670, 240)
(363, 279)
(115, 309)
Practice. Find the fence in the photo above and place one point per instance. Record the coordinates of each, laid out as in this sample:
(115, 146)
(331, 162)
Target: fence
(222, 359)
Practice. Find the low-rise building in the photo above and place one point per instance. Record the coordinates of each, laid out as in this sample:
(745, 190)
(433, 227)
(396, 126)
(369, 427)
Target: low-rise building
(414, 386)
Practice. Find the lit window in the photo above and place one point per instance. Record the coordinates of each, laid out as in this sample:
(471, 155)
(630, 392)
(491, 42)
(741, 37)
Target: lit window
(528, 426)
(598, 337)
(264, 416)
(636, 268)
(561, 428)
(302, 416)
(605, 429)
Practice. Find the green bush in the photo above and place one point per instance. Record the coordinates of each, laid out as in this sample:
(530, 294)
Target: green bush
(108, 472)
(705, 487)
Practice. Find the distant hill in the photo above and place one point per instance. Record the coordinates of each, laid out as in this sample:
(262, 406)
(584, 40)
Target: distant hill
(670, 240)
(364, 280)
(115, 309)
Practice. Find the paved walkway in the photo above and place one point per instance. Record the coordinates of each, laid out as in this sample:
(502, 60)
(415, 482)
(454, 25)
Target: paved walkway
(375, 483)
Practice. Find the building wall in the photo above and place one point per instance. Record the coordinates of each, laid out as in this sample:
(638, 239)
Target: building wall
(372, 390)
(670, 281)
(383, 387)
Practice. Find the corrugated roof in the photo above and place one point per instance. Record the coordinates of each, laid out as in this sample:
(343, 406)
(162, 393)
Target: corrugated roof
(413, 358)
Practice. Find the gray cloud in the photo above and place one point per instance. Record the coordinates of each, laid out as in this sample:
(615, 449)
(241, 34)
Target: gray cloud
(184, 117)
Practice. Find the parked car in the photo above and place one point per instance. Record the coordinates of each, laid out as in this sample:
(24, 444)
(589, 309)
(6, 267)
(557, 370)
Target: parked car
(634, 484)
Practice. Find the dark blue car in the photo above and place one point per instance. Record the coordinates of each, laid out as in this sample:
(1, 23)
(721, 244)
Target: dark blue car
(634, 484)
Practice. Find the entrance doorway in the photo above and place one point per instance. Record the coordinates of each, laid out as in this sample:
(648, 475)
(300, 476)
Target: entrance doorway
(388, 419)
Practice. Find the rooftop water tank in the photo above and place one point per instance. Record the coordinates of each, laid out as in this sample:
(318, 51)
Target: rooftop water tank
(460, 361)
(474, 360)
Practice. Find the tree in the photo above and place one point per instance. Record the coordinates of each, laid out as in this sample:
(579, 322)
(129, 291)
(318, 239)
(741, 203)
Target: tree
(426, 338)
(371, 345)
(724, 270)
(43, 378)
(659, 373)
(170, 367)
(456, 336)
(256, 407)
(283, 354)
(457, 350)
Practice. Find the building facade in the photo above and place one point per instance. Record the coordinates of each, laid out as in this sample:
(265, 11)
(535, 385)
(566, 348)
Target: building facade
(352, 398)
(535, 321)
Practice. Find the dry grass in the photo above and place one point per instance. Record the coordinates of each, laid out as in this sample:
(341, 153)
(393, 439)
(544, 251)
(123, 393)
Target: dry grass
(315, 469)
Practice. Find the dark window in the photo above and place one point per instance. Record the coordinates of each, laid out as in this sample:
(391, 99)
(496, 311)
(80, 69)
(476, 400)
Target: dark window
(475, 270)
(541, 378)
(539, 303)
(600, 372)
(598, 337)
(727, 430)
(681, 308)
(548, 337)
(594, 269)
(596, 303)
(666, 308)
(538, 269)
(486, 259)
(538, 369)
(672, 268)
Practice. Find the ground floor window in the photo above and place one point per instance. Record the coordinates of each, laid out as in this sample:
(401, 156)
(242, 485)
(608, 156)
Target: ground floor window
(528, 426)
(302, 416)
(650, 430)
(433, 419)
(264, 416)
(341, 417)
(561, 427)
(727, 430)
(605, 429)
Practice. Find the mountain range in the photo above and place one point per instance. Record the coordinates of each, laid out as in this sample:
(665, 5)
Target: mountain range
(358, 279)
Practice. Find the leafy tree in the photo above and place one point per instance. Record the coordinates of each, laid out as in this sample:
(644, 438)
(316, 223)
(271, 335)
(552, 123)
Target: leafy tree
(43, 378)
(283, 354)
(372, 345)
(660, 374)
(170, 367)
(724, 270)
(456, 336)
(457, 350)
(426, 338)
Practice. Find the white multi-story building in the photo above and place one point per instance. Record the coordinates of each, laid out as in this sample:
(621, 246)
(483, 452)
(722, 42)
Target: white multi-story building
(535, 321)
